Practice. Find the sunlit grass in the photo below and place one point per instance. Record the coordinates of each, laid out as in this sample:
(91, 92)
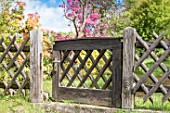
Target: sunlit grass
(157, 104)
(18, 104)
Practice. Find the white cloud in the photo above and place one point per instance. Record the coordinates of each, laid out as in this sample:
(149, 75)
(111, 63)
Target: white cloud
(50, 18)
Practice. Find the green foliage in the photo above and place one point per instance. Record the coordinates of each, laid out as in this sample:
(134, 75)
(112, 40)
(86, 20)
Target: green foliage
(151, 15)
(117, 24)
(10, 17)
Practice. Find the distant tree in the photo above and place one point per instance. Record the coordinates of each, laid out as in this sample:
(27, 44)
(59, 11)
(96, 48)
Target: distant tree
(119, 17)
(151, 15)
(86, 21)
(12, 19)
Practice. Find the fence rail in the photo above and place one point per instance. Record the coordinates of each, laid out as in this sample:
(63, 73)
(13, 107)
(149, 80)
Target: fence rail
(89, 73)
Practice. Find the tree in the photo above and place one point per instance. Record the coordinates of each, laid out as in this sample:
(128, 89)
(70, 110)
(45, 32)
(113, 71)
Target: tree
(86, 22)
(12, 19)
(151, 15)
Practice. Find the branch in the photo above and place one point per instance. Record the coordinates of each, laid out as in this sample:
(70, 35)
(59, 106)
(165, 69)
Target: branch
(84, 15)
(65, 13)
(75, 26)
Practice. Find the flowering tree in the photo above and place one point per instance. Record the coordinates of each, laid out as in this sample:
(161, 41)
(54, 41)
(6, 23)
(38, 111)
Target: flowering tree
(12, 18)
(86, 21)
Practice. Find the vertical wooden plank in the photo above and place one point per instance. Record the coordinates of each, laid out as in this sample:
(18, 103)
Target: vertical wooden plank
(36, 63)
(117, 77)
(56, 72)
(128, 63)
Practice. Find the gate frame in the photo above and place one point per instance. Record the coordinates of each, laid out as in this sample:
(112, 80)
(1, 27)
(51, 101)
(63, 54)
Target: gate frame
(87, 95)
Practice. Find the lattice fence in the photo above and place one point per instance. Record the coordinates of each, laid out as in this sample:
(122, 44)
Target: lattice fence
(152, 69)
(88, 71)
(14, 67)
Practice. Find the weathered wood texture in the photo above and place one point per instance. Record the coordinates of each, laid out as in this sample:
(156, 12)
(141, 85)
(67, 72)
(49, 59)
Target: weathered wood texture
(14, 85)
(158, 62)
(56, 72)
(12, 62)
(117, 78)
(81, 44)
(36, 63)
(128, 63)
(13, 49)
(87, 96)
(103, 73)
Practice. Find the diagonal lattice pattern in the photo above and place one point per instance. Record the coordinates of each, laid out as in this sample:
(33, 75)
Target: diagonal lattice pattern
(13, 64)
(152, 72)
(86, 69)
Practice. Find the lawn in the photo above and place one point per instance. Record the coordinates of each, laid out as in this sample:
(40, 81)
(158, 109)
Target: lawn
(20, 104)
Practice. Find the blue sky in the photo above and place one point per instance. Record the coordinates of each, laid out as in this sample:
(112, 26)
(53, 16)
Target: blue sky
(51, 15)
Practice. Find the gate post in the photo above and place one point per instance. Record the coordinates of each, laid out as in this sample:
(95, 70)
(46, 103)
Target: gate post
(36, 63)
(128, 63)
(56, 72)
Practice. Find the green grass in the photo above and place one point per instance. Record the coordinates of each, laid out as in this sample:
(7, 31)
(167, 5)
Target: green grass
(157, 105)
(18, 104)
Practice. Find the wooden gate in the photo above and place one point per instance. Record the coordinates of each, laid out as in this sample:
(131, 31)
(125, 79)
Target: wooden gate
(88, 71)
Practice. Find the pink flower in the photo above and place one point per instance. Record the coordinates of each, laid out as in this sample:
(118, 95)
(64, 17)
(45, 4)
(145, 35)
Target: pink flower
(87, 30)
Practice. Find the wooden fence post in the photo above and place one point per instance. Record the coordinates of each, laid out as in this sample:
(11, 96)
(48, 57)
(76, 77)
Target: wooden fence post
(36, 63)
(128, 63)
(56, 72)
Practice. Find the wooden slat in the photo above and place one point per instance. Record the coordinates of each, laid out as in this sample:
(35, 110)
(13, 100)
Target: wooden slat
(67, 75)
(1, 40)
(91, 68)
(144, 88)
(166, 97)
(25, 48)
(70, 64)
(66, 53)
(13, 49)
(87, 96)
(158, 90)
(139, 45)
(152, 77)
(14, 86)
(107, 83)
(15, 62)
(88, 44)
(154, 56)
(148, 73)
(162, 43)
(128, 63)
(11, 75)
(155, 87)
(149, 50)
(101, 72)
(18, 52)
(56, 73)
(117, 77)
(79, 68)
(15, 75)
(7, 49)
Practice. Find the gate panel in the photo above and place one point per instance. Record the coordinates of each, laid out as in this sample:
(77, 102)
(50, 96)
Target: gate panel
(90, 71)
